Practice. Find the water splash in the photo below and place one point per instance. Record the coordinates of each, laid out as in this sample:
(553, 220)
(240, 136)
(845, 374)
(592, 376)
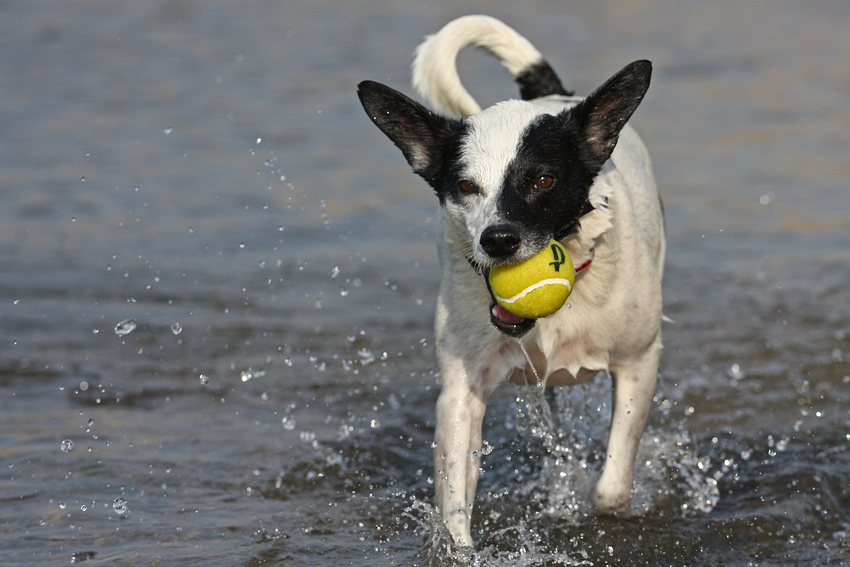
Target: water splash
(440, 550)
(565, 431)
(671, 473)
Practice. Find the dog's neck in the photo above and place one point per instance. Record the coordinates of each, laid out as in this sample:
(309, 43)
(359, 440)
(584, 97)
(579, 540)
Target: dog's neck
(586, 264)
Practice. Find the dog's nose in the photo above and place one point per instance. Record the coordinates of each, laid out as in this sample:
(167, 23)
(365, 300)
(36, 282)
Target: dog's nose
(500, 241)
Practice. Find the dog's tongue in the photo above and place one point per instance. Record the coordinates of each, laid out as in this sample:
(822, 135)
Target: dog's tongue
(506, 316)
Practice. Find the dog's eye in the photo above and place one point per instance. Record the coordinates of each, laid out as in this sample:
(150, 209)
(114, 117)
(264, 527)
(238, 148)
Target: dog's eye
(467, 186)
(544, 182)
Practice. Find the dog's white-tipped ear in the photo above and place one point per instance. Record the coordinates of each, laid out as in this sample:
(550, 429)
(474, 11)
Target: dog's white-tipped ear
(602, 115)
(417, 131)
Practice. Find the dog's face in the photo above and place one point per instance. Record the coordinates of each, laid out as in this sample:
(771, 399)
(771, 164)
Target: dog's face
(513, 175)
(517, 180)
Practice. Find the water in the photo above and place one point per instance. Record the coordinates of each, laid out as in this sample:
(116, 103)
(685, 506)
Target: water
(204, 170)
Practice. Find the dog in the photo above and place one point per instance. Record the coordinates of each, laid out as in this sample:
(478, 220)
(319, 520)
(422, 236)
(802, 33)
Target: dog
(508, 179)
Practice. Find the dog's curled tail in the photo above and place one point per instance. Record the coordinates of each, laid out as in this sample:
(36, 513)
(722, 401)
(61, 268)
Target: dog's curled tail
(435, 70)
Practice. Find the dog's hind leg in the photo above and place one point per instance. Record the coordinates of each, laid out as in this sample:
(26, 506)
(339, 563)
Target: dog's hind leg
(457, 446)
(634, 388)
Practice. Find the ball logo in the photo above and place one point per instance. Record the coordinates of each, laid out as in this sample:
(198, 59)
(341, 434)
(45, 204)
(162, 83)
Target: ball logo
(558, 255)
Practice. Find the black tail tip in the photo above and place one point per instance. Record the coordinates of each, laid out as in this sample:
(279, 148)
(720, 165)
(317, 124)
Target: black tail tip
(540, 80)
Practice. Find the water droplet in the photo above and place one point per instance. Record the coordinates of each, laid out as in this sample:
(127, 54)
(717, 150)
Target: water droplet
(204, 379)
(288, 423)
(119, 505)
(168, 130)
(251, 373)
(334, 272)
(366, 356)
(735, 372)
(176, 328)
(307, 436)
(15, 301)
(62, 505)
(125, 327)
(67, 445)
(343, 291)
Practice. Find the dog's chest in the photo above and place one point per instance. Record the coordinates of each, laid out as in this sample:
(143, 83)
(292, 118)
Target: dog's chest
(559, 351)
(559, 360)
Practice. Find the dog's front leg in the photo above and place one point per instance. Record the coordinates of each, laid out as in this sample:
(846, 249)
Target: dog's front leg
(460, 414)
(634, 388)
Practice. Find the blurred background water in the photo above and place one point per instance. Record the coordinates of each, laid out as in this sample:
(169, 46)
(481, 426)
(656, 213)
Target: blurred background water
(217, 283)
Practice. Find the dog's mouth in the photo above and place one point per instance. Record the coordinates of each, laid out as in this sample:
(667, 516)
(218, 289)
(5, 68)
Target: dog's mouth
(507, 323)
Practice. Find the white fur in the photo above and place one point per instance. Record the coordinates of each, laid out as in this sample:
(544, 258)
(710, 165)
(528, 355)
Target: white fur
(434, 71)
(612, 319)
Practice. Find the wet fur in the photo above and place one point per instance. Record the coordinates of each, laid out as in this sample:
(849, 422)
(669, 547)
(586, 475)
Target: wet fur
(489, 169)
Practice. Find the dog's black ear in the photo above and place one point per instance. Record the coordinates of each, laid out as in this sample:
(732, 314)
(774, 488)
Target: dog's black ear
(602, 115)
(417, 131)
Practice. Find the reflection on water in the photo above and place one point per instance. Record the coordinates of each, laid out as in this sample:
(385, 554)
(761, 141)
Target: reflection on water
(217, 283)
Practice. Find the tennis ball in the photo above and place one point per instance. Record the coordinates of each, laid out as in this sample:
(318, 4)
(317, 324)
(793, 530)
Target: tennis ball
(536, 287)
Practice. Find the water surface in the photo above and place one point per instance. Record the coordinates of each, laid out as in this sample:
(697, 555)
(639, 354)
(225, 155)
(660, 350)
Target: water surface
(202, 173)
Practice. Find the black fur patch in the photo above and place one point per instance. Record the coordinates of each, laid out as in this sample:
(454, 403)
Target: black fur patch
(540, 80)
(551, 147)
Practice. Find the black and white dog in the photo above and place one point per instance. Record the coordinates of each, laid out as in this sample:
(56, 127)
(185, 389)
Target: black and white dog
(508, 179)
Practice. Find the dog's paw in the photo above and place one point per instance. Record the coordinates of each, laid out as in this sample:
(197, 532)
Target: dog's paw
(611, 497)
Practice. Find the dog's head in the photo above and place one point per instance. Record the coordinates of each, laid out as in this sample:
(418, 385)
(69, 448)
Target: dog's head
(514, 175)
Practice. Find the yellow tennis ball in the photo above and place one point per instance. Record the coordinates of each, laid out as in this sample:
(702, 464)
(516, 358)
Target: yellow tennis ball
(536, 287)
